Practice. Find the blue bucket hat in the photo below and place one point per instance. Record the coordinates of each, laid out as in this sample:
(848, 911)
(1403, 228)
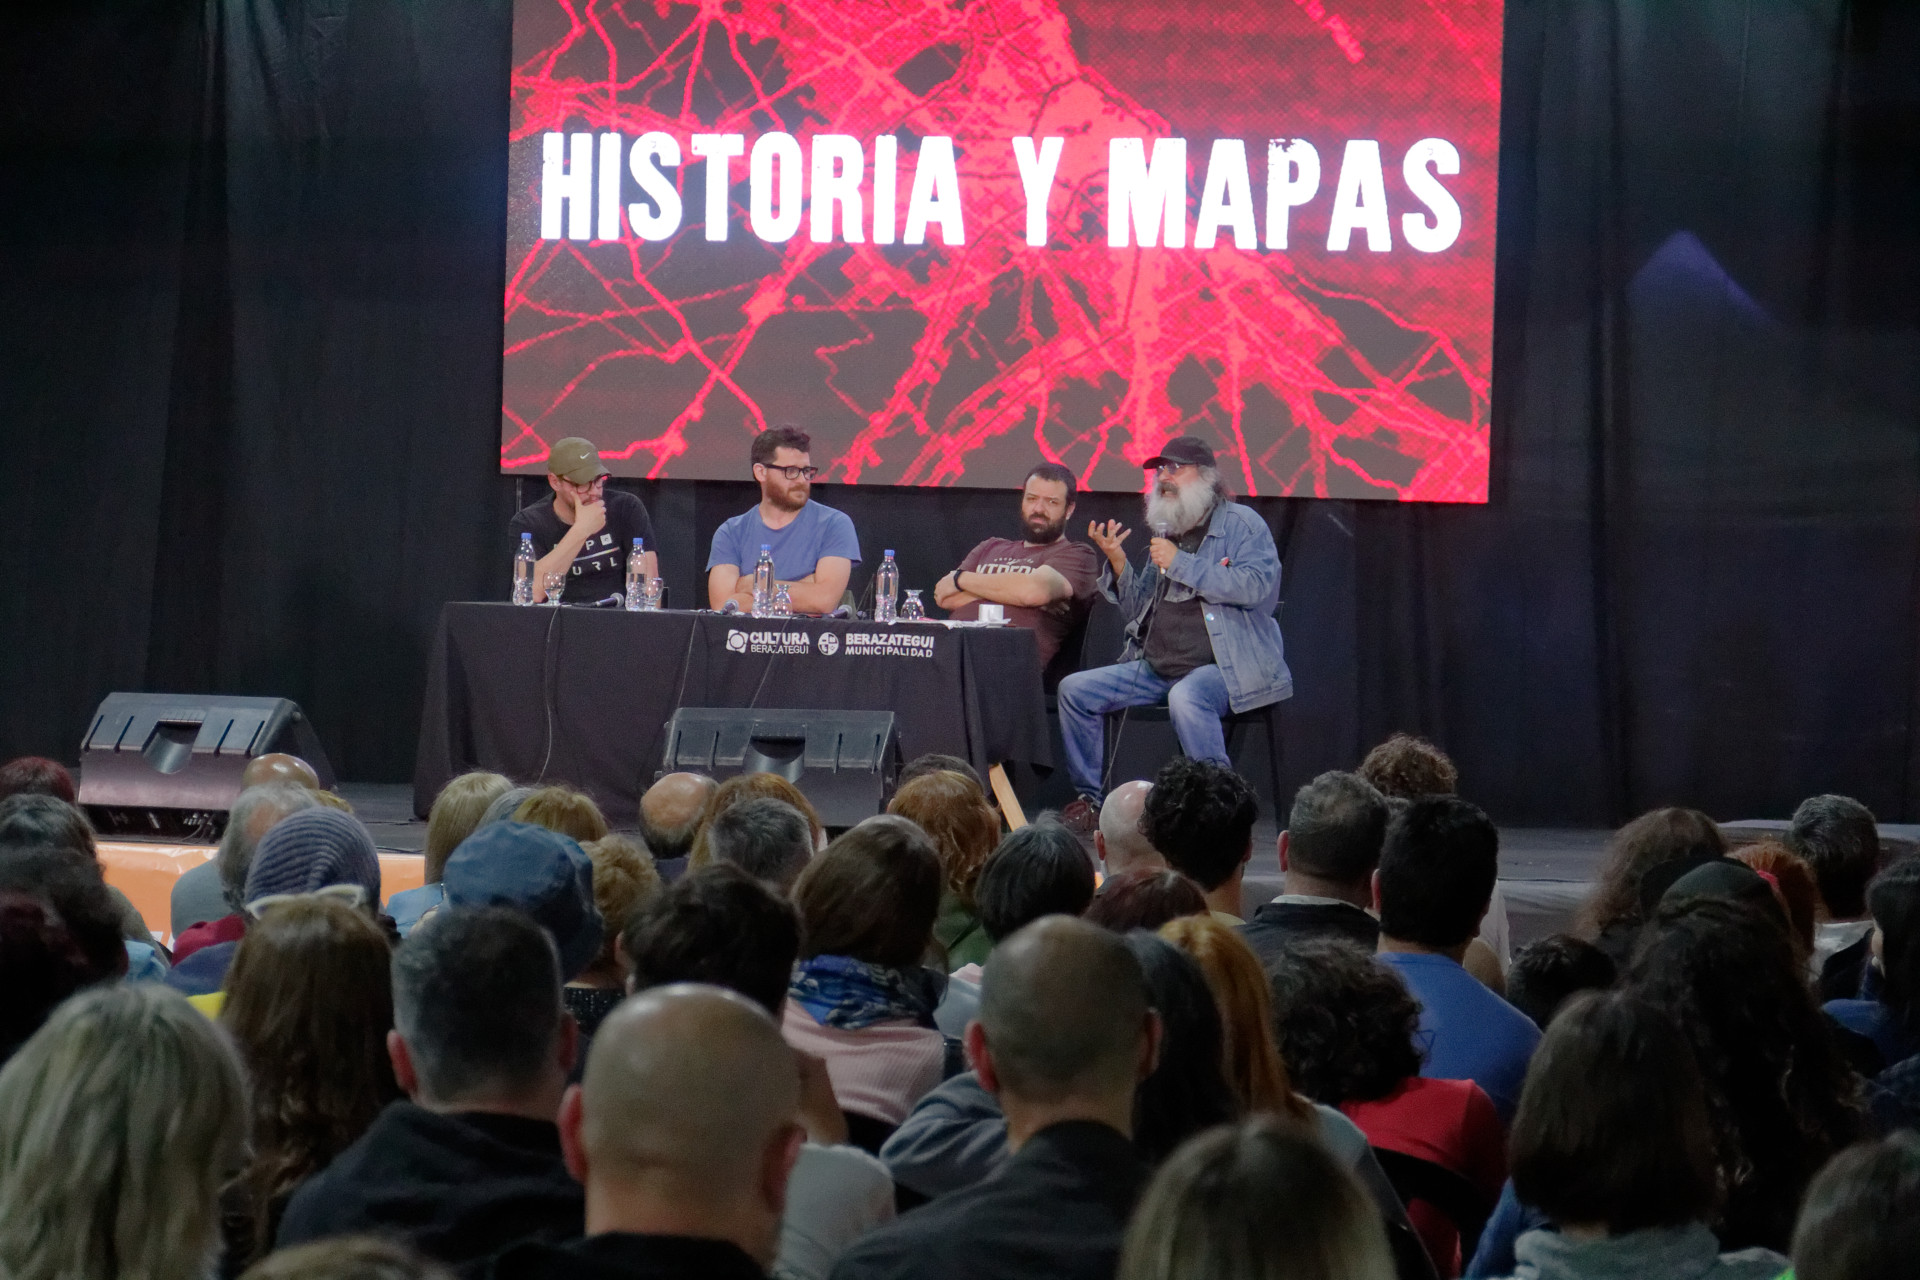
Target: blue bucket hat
(312, 850)
(541, 872)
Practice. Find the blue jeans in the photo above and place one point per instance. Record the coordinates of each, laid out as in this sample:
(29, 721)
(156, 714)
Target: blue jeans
(1195, 704)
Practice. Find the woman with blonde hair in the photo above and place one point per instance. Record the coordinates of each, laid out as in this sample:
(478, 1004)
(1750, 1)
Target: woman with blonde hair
(624, 879)
(309, 1004)
(571, 813)
(120, 1119)
(952, 809)
(456, 814)
(1255, 1068)
(748, 786)
(1260, 1200)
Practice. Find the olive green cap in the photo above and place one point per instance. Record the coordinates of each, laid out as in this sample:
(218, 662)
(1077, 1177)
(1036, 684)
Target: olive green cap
(576, 460)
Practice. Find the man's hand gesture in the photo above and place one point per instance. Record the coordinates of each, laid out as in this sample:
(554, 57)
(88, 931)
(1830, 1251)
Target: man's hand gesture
(1109, 538)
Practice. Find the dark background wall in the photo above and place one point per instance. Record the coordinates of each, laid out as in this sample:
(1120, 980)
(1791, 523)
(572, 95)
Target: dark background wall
(249, 245)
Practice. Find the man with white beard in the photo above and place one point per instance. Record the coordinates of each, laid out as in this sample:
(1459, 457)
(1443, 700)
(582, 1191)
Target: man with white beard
(1202, 632)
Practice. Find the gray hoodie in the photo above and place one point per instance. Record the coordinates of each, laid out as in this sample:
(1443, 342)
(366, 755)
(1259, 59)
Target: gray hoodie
(1662, 1253)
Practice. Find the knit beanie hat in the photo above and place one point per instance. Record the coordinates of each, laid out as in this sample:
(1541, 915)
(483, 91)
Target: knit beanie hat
(541, 872)
(311, 849)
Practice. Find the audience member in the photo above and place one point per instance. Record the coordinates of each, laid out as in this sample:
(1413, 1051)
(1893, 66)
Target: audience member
(768, 837)
(279, 766)
(951, 808)
(623, 879)
(43, 964)
(1347, 1029)
(318, 850)
(32, 821)
(1408, 767)
(1792, 882)
(1839, 839)
(683, 1134)
(1613, 1144)
(1891, 1019)
(504, 806)
(670, 816)
(1436, 875)
(37, 776)
(749, 786)
(348, 1258)
(1861, 1220)
(72, 889)
(1260, 1200)
(859, 1000)
(1118, 840)
(1548, 973)
(214, 910)
(455, 815)
(934, 762)
(1677, 840)
(1200, 816)
(309, 1004)
(1327, 854)
(1145, 898)
(537, 871)
(571, 813)
(1188, 1089)
(120, 1119)
(1064, 1069)
(1780, 1098)
(482, 1047)
(723, 927)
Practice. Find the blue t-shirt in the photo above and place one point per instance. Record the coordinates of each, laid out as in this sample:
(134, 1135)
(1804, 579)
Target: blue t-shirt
(1469, 1033)
(816, 531)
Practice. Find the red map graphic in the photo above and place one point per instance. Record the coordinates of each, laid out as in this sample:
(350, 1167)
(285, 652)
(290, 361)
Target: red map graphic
(1311, 372)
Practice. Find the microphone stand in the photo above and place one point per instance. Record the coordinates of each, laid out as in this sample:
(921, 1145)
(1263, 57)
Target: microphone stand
(1143, 627)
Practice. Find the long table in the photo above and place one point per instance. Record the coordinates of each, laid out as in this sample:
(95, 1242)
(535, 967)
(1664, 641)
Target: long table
(583, 696)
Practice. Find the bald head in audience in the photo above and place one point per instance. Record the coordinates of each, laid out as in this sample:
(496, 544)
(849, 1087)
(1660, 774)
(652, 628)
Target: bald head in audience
(670, 813)
(1119, 842)
(684, 1123)
(278, 766)
(1065, 1030)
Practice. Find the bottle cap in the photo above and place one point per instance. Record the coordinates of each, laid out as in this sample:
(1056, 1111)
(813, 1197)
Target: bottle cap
(889, 554)
(526, 537)
(636, 543)
(766, 546)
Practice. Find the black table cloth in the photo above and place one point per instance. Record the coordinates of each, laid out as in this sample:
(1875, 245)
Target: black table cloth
(583, 696)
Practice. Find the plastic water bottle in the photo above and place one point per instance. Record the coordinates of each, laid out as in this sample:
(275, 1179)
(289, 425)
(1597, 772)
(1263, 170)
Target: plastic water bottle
(763, 582)
(886, 585)
(523, 560)
(637, 576)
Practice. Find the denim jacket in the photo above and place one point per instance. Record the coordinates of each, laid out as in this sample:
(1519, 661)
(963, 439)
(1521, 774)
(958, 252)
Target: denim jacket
(1236, 572)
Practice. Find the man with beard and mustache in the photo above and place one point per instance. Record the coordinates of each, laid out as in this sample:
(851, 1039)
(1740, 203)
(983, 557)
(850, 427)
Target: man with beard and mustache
(1046, 581)
(814, 547)
(1202, 634)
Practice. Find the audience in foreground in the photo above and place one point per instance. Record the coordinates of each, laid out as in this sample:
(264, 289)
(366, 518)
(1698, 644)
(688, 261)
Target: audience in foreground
(1837, 837)
(455, 815)
(1861, 1220)
(471, 1163)
(952, 809)
(1261, 1200)
(683, 1134)
(1118, 841)
(1064, 1070)
(670, 813)
(1613, 1144)
(1145, 898)
(1328, 854)
(1200, 816)
(208, 903)
(119, 1122)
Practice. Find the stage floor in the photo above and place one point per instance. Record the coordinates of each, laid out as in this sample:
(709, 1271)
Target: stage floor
(1544, 871)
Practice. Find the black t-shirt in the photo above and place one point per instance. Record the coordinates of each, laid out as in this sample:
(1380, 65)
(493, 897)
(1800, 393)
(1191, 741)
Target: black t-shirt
(600, 568)
(1177, 639)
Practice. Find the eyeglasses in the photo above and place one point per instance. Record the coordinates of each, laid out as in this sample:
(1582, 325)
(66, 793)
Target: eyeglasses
(1171, 468)
(794, 473)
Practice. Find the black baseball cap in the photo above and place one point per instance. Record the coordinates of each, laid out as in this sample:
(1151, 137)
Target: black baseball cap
(1190, 451)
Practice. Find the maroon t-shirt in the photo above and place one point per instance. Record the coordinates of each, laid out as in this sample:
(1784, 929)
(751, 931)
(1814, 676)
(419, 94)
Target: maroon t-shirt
(1077, 562)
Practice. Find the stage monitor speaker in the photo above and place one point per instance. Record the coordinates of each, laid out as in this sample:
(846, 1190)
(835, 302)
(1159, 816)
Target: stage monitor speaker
(845, 762)
(167, 766)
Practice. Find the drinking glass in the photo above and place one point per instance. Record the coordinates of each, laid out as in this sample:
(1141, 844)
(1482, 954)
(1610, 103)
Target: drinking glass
(656, 589)
(556, 585)
(911, 610)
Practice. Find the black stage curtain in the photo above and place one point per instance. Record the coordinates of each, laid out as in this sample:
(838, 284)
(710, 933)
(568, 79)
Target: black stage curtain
(250, 323)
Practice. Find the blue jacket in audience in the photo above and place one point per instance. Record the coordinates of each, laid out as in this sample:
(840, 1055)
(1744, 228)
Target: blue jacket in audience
(1468, 1032)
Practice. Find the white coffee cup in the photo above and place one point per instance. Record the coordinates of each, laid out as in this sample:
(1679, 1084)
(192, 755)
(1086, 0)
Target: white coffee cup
(992, 613)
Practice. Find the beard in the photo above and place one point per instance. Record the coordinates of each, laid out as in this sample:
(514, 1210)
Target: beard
(787, 497)
(1041, 531)
(1178, 510)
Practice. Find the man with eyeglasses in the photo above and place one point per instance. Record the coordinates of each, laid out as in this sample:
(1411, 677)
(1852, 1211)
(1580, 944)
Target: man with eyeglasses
(582, 530)
(814, 547)
(1202, 632)
(1046, 580)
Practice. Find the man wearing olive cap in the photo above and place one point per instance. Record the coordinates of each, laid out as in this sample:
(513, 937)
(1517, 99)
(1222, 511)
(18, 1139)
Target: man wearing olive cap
(581, 530)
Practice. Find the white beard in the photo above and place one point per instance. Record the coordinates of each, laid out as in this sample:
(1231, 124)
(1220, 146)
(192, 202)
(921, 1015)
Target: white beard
(1177, 514)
